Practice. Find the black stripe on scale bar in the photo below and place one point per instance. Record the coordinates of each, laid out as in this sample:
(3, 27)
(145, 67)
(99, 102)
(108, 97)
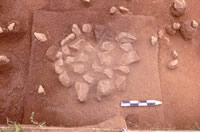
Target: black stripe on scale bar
(151, 104)
(134, 104)
(125, 101)
(142, 101)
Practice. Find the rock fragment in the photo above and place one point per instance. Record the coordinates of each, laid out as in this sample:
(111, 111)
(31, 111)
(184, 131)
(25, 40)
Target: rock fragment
(170, 30)
(88, 78)
(108, 72)
(1, 30)
(65, 79)
(96, 67)
(59, 66)
(104, 87)
(76, 30)
(40, 37)
(105, 59)
(174, 54)
(113, 10)
(82, 57)
(178, 8)
(70, 60)
(121, 83)
(123, 9)
(188, 29)
(78, 68)
(130, 57)
(4, 60)
(99, 31)
(107, 46)
(82, 90)
(124, 37)
(154, 40)
(41, 90)
(176, 26)
(123, 69)
(126, 47)
(51, 53)
(11, 27)
(68, 39)
(65, 50)
(173, 64)
(87, 28)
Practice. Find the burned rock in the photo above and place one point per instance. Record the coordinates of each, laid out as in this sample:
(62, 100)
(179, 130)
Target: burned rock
(89, 48)
(65, 50)
(82, 90)
(41, 90)
(176, 26)
(123, 9)
(105, 59)
(65, 79)
(154, 40)
(96, 67)
(59, 55)
(99, 31)
(178, 8)
(4, 63)
(174, 54)
(188, 29)
(59, 66)
(82, 57)
(70, 60)
(113, 10)
(77, 44)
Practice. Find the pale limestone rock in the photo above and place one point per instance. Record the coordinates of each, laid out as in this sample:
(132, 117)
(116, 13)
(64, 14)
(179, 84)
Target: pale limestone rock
(88, 78)
(126, 47)
(76, 30)
(65, 79)
(87, 28)
(11, 26)
(40, 37)
(1, 30)
(79, 68)
(173, 65)
(107, 46)
(41, 90)
(154, 40)
(104, 87)
(178, 8)
(108, 72)
(82, 90)
(124, 69)
(96, 67)
(68, 39)
(121, 83)
(113, 10)
(70, 60)
(82, 57)
(130, 57)
(65, 50)
(4, 60)
(124, 37)
(195, 24)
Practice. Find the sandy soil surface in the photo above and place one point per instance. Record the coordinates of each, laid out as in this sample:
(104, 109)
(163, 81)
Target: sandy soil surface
(178, 89)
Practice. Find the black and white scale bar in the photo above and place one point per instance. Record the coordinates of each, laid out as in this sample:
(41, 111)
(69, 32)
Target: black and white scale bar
(140, 103)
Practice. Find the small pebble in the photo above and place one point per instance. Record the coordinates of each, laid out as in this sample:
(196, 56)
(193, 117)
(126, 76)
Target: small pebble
(40, 37)
(11, 26)
(176, 26)
(87, 28)
(154, 40)
(67, 39)
(113, 10)
(1, 30)
(195, 24)
(173, 65)
(76, 30)
(41, 90)
(174, 54)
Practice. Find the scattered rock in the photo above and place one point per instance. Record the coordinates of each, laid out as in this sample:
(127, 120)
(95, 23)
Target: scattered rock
(4, 60)
(121, 83)
(188, 29)
(105, 59)
(108, 72)
(113, 10)
(79, 68)
(51, 53)
(59, 55)
(76, 30)
(154, 40)
(99, 31)
(126, 47)
(174, 54)
(173, 65)
(124, 37)
(87, 28)
(107, 46)
(64, 79)
(59, 66)
(77, 44)
(88, 78)
(11, 27)
(40, 37)
(176, 26)
(82, 90)
(96, 67)
(68, 39)
(123, 9)
(89, 48)
(124, 69)
(65, 50)
(41, 90)
(82, 57)
(170, 30)
(104, 87)
(70, 60)
(1, 30)
(178, 8)
(130, 57)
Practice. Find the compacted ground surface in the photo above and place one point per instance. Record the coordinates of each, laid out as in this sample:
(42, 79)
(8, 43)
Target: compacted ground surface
(148, 76)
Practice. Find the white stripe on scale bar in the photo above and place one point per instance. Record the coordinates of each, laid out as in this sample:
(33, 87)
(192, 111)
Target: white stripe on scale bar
(142, 104)
(125, 104)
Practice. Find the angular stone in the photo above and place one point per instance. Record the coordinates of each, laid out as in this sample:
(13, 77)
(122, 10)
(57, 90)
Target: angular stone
(70, 60)
(65, 50)
(154, 40)
(79, 68)
(173, 65)
(113, 10)
(41, 90)
(40, 37)
(76, 30)
(87, 28)
(82, 90)
(130, 57)
(88, 78)
(107, 46)
(124, 37)
(123, 9)
(108, 72)
(178, 8)
(99, 31)
(124, 69)
(11, 26)
(96, 67)
(104, 87)
(51, 53)
(121, 83)
(126, 47)
(68, 39)
(77, 44)
(89, 48)
(188, 29)
(105, 59)
(82, 57)
(65, 79)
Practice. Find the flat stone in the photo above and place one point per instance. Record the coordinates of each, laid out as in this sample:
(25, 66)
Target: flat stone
(173, 64)
(82, 90)
(88, 78)
(76, 30)
(96, 67)
(130, 57)
(124, 37)
(82, 57)
(65, 79)
(126, 47)
(154, 40)
(65, 50)
(113, 10)
(70, 60)
(124, 69)
(40, 37)
(123, 9)
(51, 53)
(121, 83)
(104, 87)
(79, 68)
(105, 59)
(108, 72)
(68, 39)
(89, 48)
(87, 28)
(107, 46)
(41, 90)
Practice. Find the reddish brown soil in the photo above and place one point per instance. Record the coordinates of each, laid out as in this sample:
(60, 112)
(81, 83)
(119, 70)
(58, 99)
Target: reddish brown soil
(179, 89)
